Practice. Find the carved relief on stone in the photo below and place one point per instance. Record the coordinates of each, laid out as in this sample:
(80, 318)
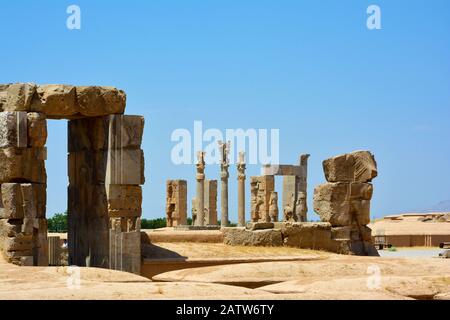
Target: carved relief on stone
(301, 207)
(273, 207)
(176, 203)
(194, 211)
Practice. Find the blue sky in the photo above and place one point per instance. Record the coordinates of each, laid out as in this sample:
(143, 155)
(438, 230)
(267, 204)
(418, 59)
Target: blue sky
(309, 68)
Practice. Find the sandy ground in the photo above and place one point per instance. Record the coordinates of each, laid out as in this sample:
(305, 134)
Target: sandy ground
(319, 275)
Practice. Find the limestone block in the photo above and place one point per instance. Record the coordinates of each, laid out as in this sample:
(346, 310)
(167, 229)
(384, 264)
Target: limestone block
(21, 201)
(56, 101)
(37, 129)
(100, 101)
(12, 201)
(342, 204)
(27, 261)
(259, 238)
(358, 166)
(124, 197)
(176, 203)
(87, 167)
(23, 165)
(19, 97)
(3, 94)
(353, 233)
(309, 235)
(126, 131)
(15, 257)
(359, 248)
(13, 129)
(125, 166)
(10, 228)
(125, 251)
(19, 243)
(109, 132)
(124, 213)
(260, 225)
(210, 202)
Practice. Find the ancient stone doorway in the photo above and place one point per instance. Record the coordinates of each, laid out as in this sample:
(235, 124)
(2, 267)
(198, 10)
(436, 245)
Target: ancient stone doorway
(105, 168)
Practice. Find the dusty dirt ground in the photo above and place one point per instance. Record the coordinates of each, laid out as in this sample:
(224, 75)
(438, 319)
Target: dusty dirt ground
(317, 275)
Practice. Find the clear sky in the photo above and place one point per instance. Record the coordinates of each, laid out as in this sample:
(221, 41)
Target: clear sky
(309, 68)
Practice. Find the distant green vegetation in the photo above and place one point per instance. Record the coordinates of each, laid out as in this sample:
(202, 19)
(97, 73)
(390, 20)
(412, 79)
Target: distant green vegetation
(153, 223)
(58, 223)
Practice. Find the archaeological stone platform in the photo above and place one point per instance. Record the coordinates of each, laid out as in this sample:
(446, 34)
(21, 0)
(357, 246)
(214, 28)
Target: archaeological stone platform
(106, 171)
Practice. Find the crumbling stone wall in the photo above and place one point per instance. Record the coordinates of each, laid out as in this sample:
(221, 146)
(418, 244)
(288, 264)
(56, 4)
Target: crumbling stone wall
(106, 169)
(344, 201)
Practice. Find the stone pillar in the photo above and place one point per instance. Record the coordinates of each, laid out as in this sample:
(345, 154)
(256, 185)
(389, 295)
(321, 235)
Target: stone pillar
(106, 169)
(344, 201)
(23, 226)
(176, 203)
(211, 202)
(224, 175)
(241, 189)
(200, 198)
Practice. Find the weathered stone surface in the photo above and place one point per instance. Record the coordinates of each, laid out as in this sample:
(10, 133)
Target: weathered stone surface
(3, 95)
(100, 101)
(316, 236)
(210, 202)
(10, 228)
(19, 97)
(260, 225)
(23, 165)
(87, 167)
(55, 101)
(176, 203)
(358, 166)
(261, 190)
(243, 237)
(353, 233)
(110, 132)
(37, 129)
(13, 129)
(342, 204)
(124, 197)
(125, 166)
(125, 249)
(18, 243)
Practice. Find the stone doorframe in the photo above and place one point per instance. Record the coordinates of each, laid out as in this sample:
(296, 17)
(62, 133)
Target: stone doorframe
(295, 179)
(106, 171)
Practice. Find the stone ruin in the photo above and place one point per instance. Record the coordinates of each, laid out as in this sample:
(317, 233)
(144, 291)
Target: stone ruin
(265, 200)
(344, 201)
(106, 171)
(176, 203)
(343, 204)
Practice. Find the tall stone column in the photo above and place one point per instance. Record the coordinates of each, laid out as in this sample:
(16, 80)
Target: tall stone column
(241, 189)
(224, 175)
(200, 199)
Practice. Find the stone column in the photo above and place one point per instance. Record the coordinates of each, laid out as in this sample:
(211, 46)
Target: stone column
(23, 226)
(241, 189)
(224, 175)
(200, 221)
